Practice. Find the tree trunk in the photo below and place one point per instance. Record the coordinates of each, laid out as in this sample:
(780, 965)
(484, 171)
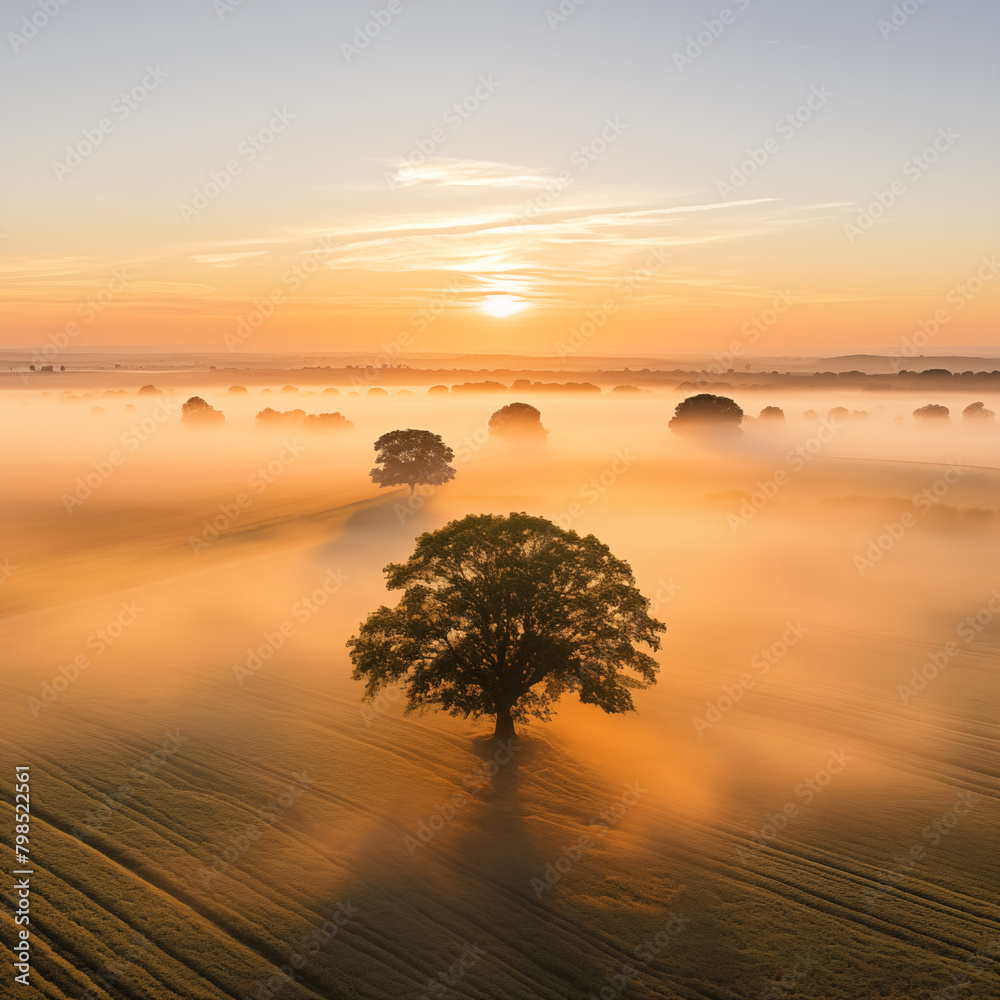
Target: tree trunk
(412, 487)
(505, 724)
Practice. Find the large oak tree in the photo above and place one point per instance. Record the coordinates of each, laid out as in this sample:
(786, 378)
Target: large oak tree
(500, 616)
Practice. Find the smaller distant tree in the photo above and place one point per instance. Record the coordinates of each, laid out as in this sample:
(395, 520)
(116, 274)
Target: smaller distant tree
(771, 413)
(149, 390)
(435, 389)
(327, 422)
(235, 390)
(810, 415)
(706, 413)
(518, 422)
(271, 416)
(977, 411)
(413, 457)
(624, 389)
(487, 386)
(839, 413)
(932, 411)
(196, 412)
(290, 390)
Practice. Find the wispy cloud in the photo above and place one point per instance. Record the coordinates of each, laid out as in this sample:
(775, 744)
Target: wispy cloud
(226, 259)
(591, 238)
(509, 238)
(53, 267)
(446, 172)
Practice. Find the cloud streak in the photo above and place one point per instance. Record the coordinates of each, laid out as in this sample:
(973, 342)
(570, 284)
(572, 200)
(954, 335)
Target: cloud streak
(549, 254)
(446, 172)
(226, 259)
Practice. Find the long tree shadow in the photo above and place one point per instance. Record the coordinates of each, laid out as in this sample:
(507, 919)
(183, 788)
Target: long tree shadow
(385, 522)
(540, 945)
(452, 906)
(381, 531)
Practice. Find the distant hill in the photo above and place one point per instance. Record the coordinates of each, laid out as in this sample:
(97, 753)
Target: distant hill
(877, 363)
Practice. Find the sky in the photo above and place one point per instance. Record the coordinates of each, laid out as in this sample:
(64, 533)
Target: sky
(534, 177)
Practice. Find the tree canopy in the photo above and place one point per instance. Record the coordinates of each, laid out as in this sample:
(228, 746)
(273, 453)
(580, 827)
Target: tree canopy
(977, 411)
(518, 422)
(500, 616)
(271, 416)
(327, 422)
(932, 411)
(412, 457)
(197, 411)
(706, 412)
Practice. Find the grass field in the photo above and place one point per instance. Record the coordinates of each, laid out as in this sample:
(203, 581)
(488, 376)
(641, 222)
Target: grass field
(790, 813)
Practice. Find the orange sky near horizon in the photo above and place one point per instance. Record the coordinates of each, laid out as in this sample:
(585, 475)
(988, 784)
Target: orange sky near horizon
(252, 192)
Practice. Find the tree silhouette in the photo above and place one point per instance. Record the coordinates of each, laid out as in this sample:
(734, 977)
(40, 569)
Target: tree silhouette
(271, 416)
(932, 411)
(197, 411)
(977, 411)
(412, 457)
(706, 412)
(771, 413)
(327, 422)
(500, 616)
(518, 421)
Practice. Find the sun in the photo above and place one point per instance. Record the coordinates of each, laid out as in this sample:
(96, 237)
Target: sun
(502, 305)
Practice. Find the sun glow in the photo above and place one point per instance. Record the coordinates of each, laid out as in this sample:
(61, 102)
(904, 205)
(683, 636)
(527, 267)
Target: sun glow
(502, 305)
